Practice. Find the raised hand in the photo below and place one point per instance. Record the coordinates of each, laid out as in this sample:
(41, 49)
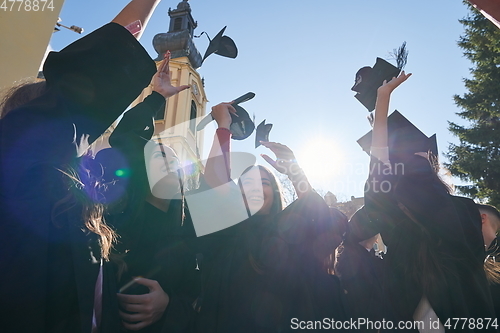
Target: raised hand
(222, 114)
(161, 80)
(379, 135)
(287, 164)
(285, 159)
(388, 87)
(143, 310)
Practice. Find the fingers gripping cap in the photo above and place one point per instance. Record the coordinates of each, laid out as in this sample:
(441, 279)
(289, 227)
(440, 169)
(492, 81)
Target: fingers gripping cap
(242, 126)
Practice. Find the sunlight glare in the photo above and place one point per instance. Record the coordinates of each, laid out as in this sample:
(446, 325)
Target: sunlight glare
(320, 159)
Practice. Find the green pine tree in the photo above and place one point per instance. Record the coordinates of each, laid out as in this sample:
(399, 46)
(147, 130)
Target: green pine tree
(476, 158)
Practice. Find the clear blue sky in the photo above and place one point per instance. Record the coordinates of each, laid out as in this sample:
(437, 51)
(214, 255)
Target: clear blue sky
(300, 57)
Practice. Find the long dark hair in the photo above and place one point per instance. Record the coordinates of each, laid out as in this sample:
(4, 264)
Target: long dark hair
(422, 186)
(278, 201)
(276, 207)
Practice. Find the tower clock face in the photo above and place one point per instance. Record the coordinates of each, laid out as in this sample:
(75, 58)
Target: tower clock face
(194, 88)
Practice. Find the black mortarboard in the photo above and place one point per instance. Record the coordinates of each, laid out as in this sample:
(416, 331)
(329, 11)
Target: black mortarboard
(404, 139)
(221, 45)
(103, 71)
(369, 79)
(241, 126)
(262, 132)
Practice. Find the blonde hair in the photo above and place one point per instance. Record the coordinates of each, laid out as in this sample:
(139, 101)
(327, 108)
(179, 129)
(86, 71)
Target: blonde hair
(84, 194)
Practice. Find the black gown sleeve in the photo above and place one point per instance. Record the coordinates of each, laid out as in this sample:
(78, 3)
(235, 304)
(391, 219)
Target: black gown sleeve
(434, 242)
(137, 125)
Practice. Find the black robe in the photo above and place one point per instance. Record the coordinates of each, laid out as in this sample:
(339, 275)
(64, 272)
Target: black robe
(362, 280)
(161, 249)
(156, 245)
(435, 244)
(50, 264)
(261, 273)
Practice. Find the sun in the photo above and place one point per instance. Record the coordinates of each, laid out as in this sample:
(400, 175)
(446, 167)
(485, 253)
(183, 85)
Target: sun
(320, 158)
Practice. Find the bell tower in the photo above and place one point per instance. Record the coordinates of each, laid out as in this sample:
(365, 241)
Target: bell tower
(176, 124)
(181, 18)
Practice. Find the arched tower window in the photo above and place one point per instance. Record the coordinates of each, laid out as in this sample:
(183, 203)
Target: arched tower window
(192, 117)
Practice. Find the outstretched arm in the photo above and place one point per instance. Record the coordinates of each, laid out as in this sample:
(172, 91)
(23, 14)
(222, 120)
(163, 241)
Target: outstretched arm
(380, 203)
(218, 168)
(131, 126)
(287, 164)
(379, 137)
(136, 10)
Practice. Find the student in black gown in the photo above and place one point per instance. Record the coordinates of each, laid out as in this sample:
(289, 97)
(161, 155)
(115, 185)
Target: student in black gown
(52, 237)
(435, 248)
(268, 271)
(361, 271)
(160, 281)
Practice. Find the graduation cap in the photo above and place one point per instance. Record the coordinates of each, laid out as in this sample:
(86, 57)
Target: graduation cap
(262, 132)
(241, 126)
(404, 139)
(369, 79)
(102, 72)
(221, 45)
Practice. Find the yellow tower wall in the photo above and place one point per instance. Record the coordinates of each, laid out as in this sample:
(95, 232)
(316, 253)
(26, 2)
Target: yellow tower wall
(24, 37)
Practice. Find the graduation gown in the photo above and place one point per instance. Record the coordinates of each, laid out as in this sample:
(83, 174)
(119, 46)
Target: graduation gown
(361, 277)
(261, 273)
(435, 245)
(162, 250)
(159, 245)
(50, 263)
